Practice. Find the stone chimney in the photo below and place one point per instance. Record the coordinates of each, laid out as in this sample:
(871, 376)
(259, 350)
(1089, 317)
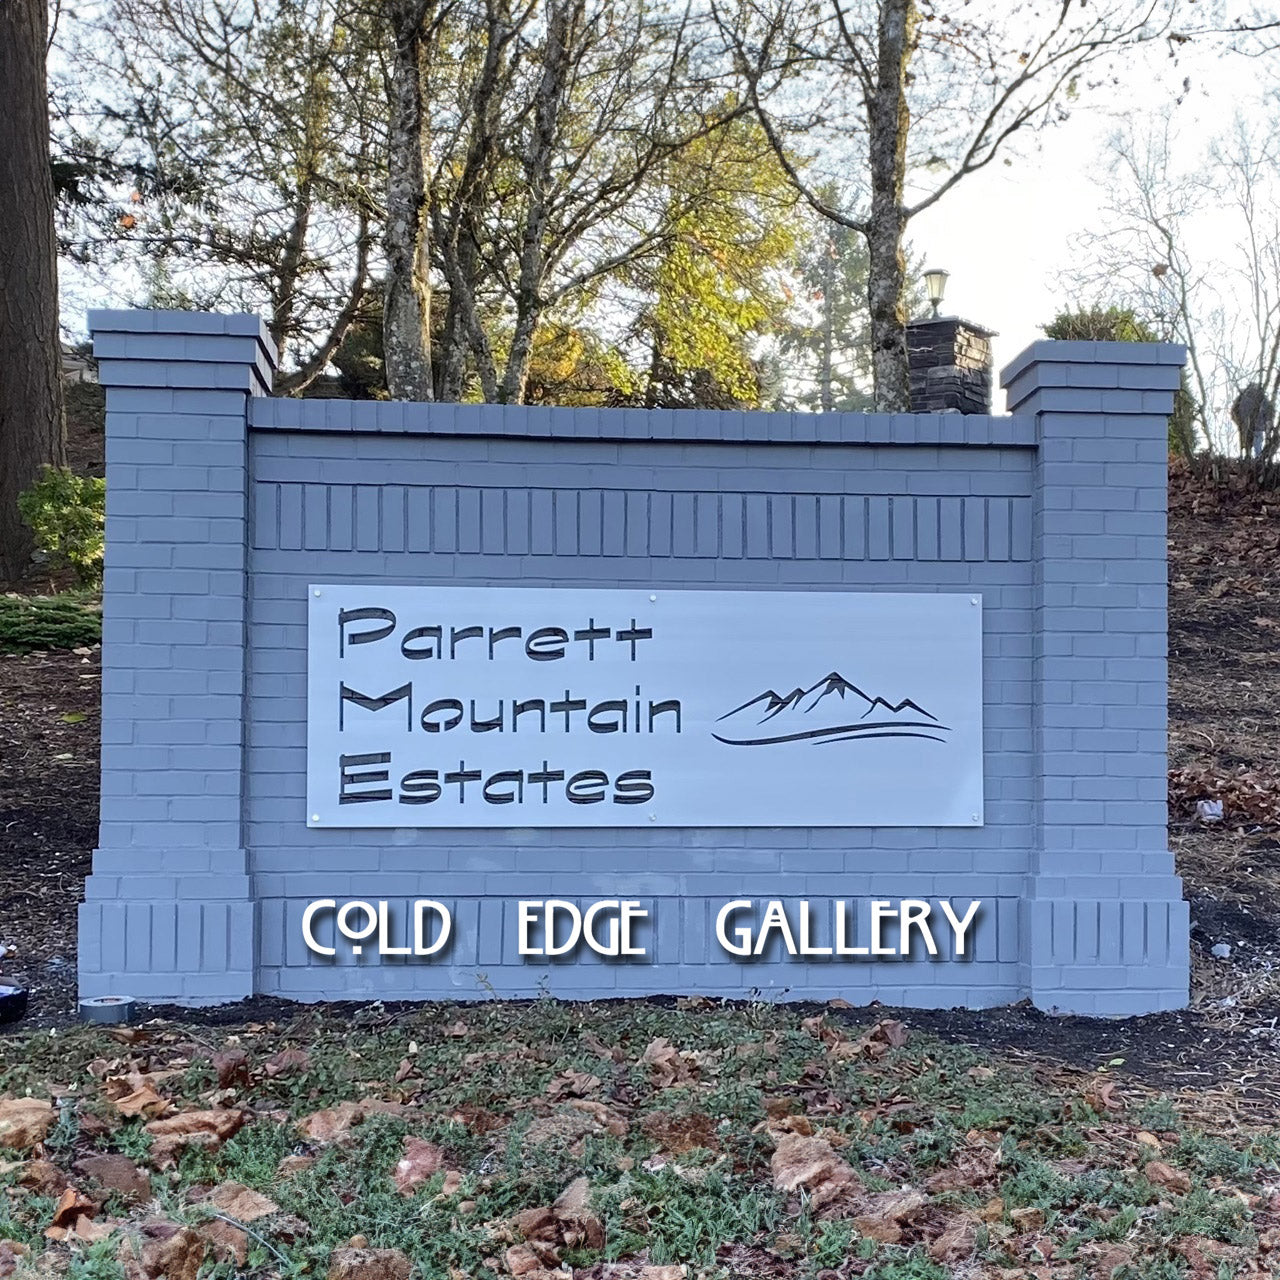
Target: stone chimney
(950, 365)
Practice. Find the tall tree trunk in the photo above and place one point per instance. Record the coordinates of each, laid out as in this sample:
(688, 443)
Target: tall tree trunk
(888, 123)
(32, 431)
(563, 20)
(283, 322)
(828, 321)
(406, 308)
(462, 273)
(458, 239)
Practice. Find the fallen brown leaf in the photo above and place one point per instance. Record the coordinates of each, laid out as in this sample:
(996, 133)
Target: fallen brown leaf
(331, 1123)
(811, 1164)
(420, 1161)
(91, 1232)
(241, 1203)
(288, 1062)
(957, 1242)
(11, 1252)
(144, 1101)
(209, 1129)
(1163, 1175)
(895, 1208)
(369, 1264)
(992, 1211)
(232, 1067)
(579, 1226)
(667, 1065)
(1106, 1257)
(119, 1174)
(176, 1254)
(228, 1242)
(881, 1230)
(1101, 1097)
(572, 1084)
(24, 1122)
(71, 1204)
(521, 1260)
(44, 1178)
(610, 1121)
(1027, 1218)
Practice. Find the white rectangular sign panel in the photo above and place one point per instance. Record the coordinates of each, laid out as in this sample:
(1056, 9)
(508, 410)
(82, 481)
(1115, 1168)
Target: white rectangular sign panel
(566, 707)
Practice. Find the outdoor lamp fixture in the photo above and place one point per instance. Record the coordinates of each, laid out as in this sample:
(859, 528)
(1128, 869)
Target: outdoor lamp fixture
(935, 281)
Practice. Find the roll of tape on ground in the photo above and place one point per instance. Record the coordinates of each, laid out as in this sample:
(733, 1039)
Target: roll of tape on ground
(107, 1009)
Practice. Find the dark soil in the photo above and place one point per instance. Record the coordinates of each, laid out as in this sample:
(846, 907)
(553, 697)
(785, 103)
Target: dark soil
(1224, 650)
(49, 716)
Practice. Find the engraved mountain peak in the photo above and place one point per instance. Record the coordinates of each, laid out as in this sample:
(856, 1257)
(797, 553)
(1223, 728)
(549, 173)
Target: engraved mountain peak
(832, 709)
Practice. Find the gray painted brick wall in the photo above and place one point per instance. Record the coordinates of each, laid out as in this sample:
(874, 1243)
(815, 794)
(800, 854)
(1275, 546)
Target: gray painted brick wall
(223, 504)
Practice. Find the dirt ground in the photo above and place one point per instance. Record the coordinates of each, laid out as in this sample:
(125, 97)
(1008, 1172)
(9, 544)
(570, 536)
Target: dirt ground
(1224, 651)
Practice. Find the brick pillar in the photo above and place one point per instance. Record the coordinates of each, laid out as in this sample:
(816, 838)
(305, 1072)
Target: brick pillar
(168, 911)
(1104, 929)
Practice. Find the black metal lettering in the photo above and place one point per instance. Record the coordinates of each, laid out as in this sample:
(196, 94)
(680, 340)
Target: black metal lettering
(634, 634)
(591, 633)
(547, 644)
(587, 787)
(670, 707)
(363, 637)
(347, 694)
(451, 705)
(435, 649)
(349, 778)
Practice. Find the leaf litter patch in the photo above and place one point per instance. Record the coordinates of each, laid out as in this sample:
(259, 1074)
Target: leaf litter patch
(618, 1141)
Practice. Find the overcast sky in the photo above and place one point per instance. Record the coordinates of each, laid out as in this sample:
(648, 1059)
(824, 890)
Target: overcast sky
(1006, 233)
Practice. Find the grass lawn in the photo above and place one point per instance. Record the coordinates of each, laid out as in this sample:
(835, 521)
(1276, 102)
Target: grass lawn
(615, 1140)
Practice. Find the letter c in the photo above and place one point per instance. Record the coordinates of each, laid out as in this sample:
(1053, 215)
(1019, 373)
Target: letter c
(307, 917)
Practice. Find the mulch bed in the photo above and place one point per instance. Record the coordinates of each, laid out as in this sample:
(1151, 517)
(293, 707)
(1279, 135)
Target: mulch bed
(49, 718)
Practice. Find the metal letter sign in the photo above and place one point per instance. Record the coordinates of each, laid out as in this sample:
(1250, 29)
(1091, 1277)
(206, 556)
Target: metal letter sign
(557, 707)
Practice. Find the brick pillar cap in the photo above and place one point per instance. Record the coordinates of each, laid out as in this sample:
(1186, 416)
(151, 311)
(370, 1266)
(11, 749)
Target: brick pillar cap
(152, 348)
(201, 324)
(204, 323)
(1052, 351)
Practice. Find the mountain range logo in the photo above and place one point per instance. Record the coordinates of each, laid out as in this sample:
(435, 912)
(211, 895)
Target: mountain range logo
(833, 710)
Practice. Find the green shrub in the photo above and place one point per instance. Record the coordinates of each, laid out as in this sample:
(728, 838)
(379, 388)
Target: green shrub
(67, 513)
(1100, 324)
(28, 623)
